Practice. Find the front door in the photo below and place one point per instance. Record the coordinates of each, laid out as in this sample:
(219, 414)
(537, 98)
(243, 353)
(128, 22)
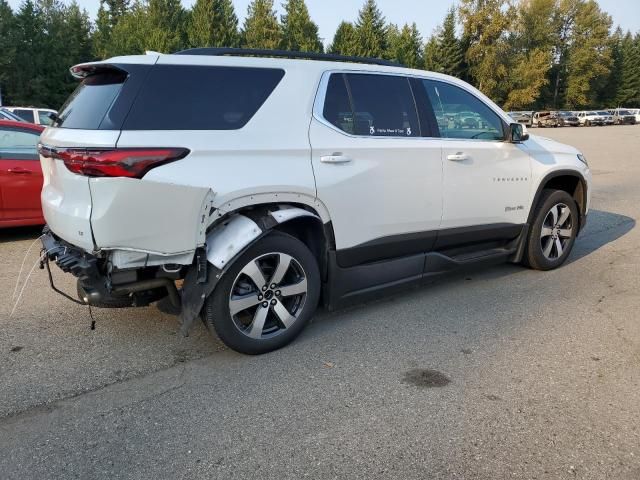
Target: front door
(380, 181)
(486, 180)
(20, 174)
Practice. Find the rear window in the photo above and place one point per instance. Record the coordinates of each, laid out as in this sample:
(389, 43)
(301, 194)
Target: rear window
(90, 102)
(201, 97)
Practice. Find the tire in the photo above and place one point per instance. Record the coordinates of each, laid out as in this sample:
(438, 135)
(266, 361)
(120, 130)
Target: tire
(253, 328)
(552, 235)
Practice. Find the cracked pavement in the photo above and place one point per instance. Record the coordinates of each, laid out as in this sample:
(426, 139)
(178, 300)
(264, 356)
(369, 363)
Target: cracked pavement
(533, 374)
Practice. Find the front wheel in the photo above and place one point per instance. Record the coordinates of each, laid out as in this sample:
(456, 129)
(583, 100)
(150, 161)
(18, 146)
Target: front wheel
(553, 231)
(266, 297)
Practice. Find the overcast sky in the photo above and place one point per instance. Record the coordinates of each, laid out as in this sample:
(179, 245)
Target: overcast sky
(426, 13)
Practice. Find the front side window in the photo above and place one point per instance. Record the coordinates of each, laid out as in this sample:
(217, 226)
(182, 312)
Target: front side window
(44, 117)
(18, 144)
(460, 114)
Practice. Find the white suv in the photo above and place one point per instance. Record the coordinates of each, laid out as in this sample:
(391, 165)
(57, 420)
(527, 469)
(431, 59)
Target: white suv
(244, 189)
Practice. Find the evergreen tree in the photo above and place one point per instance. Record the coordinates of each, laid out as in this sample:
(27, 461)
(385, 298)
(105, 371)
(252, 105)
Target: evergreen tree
(213, 23)
(445, 49)
(299, 32)
(405, 46)
(344, 40)
(431, 55)
(109, 14)
(628, 93)
(7, 48)
(371, 38)
(129, 33)
(165, 26)
(261, 29)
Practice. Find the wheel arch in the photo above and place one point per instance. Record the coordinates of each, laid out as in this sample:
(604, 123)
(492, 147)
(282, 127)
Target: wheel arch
(572, 182)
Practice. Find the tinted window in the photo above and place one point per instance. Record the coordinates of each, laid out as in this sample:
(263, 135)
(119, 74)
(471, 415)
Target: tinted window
(201, 98)
(18, 144)
(460, 114)
(337, 107)
(89, 103)
(26, 115)
(383, 106)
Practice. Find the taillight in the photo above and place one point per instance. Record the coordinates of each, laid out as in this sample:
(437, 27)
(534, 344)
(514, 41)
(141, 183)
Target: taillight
(118, 162)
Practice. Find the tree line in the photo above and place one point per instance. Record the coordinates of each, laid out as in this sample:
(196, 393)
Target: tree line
(524, 54)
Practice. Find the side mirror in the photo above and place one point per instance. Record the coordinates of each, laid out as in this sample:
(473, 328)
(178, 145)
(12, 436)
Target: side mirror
(517, 133)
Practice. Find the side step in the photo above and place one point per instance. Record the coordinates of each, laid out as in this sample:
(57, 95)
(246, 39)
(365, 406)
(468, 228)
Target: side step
(437, 263)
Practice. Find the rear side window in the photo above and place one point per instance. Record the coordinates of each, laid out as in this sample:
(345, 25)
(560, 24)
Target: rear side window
(91, 100)
(25, 114)
(201, 97)
(383, 106)
(337, 106)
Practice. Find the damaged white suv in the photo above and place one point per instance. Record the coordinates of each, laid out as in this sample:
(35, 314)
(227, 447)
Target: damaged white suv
(246, 188)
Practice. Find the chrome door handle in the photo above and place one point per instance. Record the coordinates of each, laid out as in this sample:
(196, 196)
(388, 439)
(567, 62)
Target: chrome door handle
(458, 157)
(335, 158)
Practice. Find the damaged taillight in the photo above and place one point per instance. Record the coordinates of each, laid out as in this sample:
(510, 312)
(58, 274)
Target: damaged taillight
(116, 162)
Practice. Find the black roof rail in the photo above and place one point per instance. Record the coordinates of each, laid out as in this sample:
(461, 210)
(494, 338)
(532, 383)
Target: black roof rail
(251, 52)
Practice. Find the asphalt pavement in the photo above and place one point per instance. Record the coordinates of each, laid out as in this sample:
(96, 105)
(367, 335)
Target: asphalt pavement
(487, 374)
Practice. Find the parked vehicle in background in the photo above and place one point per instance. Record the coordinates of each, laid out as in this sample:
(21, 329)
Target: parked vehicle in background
(525, 118)
(20, 174)
(245, 180)
(39, 116)
(623, 117)
(588, 118)
(608, 118)
(569, 118)
(547, 119)
(635, 112)
(7, 115)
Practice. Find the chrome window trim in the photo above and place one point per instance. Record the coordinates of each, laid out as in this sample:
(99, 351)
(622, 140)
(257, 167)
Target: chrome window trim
(321, 94)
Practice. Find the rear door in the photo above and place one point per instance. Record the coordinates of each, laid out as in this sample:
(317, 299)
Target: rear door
(20, 174)
(379, 178)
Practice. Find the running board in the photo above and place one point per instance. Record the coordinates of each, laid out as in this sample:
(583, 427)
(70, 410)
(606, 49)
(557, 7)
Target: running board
(437, 263)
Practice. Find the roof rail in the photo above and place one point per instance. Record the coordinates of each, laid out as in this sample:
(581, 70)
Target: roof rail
(251, 52)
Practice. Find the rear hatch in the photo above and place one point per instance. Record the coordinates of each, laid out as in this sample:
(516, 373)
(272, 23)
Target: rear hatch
(88, 120)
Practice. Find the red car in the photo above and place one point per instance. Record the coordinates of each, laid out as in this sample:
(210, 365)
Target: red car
(20, 174)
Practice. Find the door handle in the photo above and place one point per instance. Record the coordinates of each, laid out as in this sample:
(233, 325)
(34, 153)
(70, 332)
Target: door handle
(458, 157)
(335, 158)
(19, 171)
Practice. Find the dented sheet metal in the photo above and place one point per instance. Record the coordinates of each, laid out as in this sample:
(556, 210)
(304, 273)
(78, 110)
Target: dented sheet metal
(158, 218)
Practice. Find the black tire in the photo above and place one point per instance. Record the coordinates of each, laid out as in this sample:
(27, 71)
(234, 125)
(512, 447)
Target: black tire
(536, 256)
(217, 310)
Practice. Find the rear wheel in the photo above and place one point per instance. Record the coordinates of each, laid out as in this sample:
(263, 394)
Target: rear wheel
(266, 297)
(553, 232)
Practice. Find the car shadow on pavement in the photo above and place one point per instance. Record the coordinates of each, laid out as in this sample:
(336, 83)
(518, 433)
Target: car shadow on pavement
(602, 228)
(15, 234)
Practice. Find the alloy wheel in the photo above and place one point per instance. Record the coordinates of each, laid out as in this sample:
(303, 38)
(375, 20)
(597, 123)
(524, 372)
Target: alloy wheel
(268, 295)
(557, 231)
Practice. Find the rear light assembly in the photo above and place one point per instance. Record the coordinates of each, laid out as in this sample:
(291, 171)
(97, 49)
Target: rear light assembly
(114, 162)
